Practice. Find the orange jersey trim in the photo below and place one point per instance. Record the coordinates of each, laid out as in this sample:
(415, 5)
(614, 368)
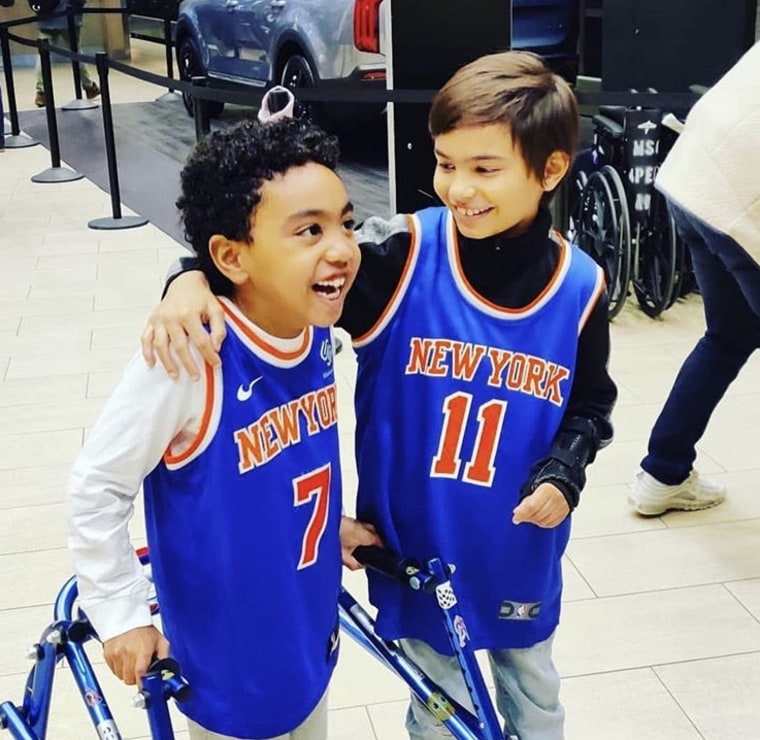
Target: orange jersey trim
(560, 270)
(400, 287)
(208, 408)
(599, 288)
(262, 344)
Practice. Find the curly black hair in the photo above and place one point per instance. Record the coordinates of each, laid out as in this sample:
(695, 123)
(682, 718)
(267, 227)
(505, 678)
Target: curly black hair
(222, 178)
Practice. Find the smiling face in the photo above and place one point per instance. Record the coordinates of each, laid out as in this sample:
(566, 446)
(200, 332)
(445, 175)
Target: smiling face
(482, 177)
(302, 256)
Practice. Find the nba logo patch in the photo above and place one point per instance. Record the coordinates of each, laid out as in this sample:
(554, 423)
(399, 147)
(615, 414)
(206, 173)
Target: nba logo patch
(519, 610)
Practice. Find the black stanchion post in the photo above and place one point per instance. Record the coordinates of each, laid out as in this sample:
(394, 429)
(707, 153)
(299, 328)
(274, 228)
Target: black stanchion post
(168, 46)
(117, 221)
(200, 110)
(55, 173)
(78, 103)
(74, 46)
(16, 139)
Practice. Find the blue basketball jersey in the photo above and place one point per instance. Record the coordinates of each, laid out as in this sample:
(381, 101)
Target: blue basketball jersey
(456, 399)
(243, 533)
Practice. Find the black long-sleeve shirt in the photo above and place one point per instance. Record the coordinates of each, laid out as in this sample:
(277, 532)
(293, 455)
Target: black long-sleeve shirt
(510, 272)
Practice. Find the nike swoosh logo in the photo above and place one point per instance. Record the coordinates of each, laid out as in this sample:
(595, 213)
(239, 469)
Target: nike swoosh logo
(244, 392)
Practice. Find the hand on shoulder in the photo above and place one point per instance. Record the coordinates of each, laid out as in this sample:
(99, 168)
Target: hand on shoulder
(179, 320)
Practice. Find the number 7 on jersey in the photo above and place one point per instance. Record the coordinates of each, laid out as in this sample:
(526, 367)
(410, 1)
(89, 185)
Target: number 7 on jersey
(314, 485)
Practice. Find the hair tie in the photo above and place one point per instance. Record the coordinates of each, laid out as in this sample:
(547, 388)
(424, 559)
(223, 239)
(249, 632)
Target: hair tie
(267, 115)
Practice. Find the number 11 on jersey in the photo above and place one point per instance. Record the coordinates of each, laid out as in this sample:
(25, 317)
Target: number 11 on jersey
(479, 470)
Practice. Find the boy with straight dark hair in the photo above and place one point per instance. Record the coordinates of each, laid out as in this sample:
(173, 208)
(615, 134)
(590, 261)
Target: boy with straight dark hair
(482, 390)
(240, 472)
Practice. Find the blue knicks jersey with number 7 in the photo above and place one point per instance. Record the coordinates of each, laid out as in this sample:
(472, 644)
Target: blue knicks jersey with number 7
(243, 532)
(456, 399)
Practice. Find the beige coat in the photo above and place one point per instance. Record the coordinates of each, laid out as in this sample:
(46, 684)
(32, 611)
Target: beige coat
(713, 171)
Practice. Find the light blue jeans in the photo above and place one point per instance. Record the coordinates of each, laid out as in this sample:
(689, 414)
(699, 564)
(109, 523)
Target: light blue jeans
(527, 691)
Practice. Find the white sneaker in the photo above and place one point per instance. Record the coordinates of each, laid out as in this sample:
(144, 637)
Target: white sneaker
(652, 498)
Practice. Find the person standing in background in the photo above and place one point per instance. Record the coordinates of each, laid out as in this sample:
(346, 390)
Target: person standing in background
(54, 28)
(710, 179)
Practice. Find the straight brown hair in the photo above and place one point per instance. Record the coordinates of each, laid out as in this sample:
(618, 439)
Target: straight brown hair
(514, 88)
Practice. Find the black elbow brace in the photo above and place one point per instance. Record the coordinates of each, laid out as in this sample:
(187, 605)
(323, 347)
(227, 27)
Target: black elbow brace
(574, 448)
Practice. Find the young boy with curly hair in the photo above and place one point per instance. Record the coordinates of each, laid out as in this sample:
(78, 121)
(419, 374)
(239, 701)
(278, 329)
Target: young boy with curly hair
(482, 390)
(240, 472)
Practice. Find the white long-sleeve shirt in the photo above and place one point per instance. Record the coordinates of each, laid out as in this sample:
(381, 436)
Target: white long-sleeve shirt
(147, 414)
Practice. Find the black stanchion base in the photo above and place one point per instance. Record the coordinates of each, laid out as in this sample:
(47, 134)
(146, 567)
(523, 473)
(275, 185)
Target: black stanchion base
(79, 104)
(125, 222)
(19, 141)
(57, 174)
(168, 96)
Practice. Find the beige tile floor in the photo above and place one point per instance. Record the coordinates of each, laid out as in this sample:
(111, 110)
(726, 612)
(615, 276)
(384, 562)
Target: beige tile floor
(660, 636)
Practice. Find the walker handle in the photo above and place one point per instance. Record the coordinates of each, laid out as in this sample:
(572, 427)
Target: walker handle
(382, 560)
(405, 571)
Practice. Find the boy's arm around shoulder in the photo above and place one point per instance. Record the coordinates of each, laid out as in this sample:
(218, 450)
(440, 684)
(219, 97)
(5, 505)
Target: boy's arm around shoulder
(385, 246)
(140, 419)
(586, 426)
(178, 322)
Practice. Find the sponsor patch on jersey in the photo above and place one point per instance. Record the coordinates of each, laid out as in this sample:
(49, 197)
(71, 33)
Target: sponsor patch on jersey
(519, 610)
(327, 354)
(326, 351)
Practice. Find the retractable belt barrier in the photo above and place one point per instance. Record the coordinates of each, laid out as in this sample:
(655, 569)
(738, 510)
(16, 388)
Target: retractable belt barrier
(325, 92)
(201, 91)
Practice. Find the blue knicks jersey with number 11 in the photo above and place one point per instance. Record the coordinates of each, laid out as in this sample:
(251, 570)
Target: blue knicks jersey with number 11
(243, 534)
(456, 399)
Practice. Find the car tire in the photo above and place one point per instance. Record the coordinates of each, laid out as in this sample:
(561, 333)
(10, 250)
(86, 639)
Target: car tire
(190, 65)
(298, 74)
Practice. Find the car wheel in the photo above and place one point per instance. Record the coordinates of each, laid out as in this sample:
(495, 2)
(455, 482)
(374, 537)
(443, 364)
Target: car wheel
(190, 65)
(297, 74)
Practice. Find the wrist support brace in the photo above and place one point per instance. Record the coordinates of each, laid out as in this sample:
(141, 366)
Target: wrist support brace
(574, 448)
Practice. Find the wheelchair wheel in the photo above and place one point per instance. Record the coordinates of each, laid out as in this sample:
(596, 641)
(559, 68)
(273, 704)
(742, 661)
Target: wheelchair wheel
(602, 230)
(575, 184)
(618, 291)
(655, 278)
